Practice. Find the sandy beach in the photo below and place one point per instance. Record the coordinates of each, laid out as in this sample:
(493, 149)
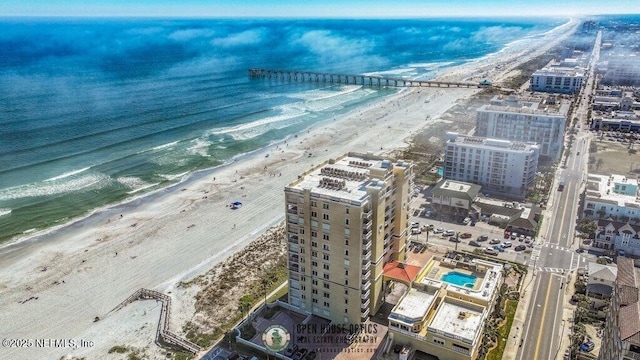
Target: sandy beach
(54, 287)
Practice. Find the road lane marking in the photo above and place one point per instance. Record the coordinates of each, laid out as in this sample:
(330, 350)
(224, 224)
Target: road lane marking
(544, 310)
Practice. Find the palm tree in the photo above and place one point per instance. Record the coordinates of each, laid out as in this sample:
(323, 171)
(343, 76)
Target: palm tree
(427, 232)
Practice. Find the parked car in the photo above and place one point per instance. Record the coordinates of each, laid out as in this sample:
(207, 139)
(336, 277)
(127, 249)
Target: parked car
(507, 234)
(473, 243)
(607, 259)
(528, 239)
(483, 238)
(428, 213)
(438, 230)
(473, 223)
(466, 235)
(506, 244)
(498, 247)
(490, 251)
(520, 248)
(415, 225)
(494, 241)
(454, 239)
(466, 221)
(415, 231)
(448, 233)
(621, 252)
(587, 346)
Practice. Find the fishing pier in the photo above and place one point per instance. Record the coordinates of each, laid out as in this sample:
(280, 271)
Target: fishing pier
(335, 78)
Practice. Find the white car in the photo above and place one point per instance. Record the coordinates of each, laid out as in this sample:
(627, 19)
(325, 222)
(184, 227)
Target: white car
(415, 231)
(449, 233)
(438, 230)
(415, 225)
(506, 244)
(466, 221)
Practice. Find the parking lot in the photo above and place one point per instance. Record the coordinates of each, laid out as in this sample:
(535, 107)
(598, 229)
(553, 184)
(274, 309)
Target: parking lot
(439, 221)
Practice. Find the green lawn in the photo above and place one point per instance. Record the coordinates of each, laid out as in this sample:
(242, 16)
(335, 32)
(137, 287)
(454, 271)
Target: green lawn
(503, 331)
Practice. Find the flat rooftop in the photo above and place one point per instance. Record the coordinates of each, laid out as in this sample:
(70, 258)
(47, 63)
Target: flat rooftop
(453, 185)
(497, 144)
(457, 321)
(413, 306)
(346, 178)
(526, 105)
(563, 71)
(602, 187)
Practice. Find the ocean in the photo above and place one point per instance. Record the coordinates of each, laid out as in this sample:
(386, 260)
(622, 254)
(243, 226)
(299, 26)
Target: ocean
(96, 111)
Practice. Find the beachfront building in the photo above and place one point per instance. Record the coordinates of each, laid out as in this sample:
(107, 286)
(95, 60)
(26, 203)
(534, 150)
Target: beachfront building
(525, 119)
(563, 80)
(345, 219)
(444, 311)
(502, 167)
(621, 335)
(613, 197)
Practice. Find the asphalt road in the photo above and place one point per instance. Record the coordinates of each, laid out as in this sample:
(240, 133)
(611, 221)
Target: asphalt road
(556, 258)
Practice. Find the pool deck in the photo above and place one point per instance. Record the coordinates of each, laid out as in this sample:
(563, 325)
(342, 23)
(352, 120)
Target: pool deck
(437, 272)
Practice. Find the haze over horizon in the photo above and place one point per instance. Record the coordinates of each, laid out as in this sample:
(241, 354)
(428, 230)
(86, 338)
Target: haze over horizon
(316, 9)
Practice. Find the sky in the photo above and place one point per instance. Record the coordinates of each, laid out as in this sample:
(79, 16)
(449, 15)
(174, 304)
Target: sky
(316, 8)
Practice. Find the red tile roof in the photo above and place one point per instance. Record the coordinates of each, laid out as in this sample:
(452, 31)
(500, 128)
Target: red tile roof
(401, 271)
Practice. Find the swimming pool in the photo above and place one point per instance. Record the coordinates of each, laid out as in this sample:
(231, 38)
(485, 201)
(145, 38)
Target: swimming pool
(440, 171)
(460, 279)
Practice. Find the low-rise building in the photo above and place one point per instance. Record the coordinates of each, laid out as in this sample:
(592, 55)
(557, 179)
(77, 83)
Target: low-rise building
(615, 235)
(525, 119)
(503, 167)
(623, 121)
(455, 197)
(614, 197)
(601, 280)
(512, 216)
(621, 336)
(444, 312)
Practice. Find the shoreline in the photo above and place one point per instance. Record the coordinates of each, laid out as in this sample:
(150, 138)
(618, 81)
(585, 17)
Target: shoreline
(155, 244)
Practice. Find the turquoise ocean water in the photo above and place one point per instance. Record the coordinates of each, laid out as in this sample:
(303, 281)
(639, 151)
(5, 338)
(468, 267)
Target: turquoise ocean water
(96, 111)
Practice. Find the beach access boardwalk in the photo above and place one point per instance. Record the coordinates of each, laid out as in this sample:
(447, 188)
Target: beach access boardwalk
(163, 335)
(335, 78)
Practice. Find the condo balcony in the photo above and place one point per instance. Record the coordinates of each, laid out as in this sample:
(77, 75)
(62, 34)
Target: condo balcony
(366, 235)
(366, 246)
(365, 294)
(366, 285)
(292, 210)
(367, 215)
(294, 267)
(366, 265)
(366, 274)
(366, 255)
(365, 304)
(293, 239)
(293, 259)
(364, 315)
(366, 225)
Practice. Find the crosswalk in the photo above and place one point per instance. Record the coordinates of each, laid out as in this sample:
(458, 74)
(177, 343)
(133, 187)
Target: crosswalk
(576, 259)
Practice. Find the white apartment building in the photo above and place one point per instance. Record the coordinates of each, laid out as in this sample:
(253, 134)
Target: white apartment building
(346, 219)
(525, 119)
(613, 196)
(557, 80)
(623, 70)
(503, 167)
